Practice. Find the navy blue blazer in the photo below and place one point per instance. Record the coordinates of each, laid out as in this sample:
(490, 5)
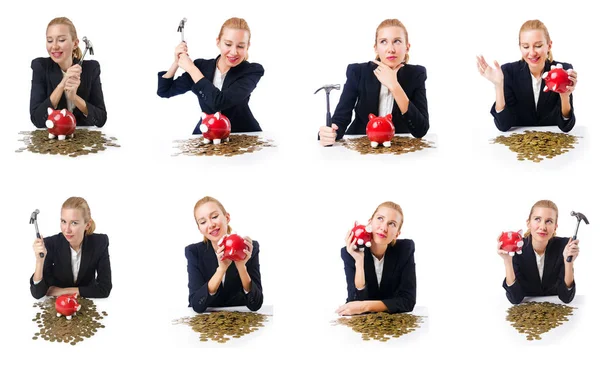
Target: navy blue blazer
(528, 283)
(47, 76)
(202, 265)
(361, 94)
(398, 289)
(94, 277)
(232, 100)
(520, 109)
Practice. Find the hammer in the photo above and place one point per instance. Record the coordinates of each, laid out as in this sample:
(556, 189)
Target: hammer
(328, 89)
(180, 28)
(579, 217)
(33, 220)
(88, 47)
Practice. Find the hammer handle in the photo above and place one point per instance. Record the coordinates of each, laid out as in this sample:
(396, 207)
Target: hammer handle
(570, 257)
(38, 236)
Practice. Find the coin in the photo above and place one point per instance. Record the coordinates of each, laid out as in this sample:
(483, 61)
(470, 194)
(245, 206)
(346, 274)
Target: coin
(238, 144)
(400, 145)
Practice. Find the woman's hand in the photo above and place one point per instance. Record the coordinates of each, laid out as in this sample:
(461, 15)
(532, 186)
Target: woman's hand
(386, 75)
(223, 263)
(572, 249)
(358, 256)
(573, 78)
(248, 252)
(505, 255)
(186, 63)
(71, 87)
(39, 248)
(351, 308)
(180, 49)
(327, 135)
(55, 291)
(492, 74)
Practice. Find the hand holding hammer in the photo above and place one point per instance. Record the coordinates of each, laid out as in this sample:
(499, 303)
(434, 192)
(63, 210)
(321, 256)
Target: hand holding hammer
(579, 216)
(328, 133)
(38, 244)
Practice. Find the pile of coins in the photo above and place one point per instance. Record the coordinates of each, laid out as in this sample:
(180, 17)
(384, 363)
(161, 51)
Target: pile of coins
(238, 144)
(535, 145)
(381, 326)
(400, 145)
(83, 142)
(217, 326)
(84, 324)
(535, 318)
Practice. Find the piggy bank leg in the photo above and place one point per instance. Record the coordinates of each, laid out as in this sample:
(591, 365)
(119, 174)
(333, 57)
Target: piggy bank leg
(368, 244)
(374, 144)
(216, 141)
(69, 317)
(227, 139)
(520, 252)
(387, 144)
(512, 253)
(51, 136)
(58, 315)
(72, 136)
(62, 137)
(206, 141)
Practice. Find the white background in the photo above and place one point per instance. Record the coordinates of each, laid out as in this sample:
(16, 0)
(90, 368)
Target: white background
(298, 200)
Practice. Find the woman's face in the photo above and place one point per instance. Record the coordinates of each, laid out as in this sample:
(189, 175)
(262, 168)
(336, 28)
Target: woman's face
(212, 222)
(234, 45)
(59, 43)
(73, 226)
(385, 225)
(534, 49)
(391, 46)
(542, 224)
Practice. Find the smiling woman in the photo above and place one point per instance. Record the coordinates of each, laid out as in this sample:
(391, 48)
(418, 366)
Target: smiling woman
(74, 261)
(212, 282)
(382, 277)
(387, 85)
(543, 269)
(222, 84)
(63, 81)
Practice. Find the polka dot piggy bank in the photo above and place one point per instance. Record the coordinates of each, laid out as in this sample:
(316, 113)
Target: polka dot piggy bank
(362, 234)
(67, 305)
(512, 242)
(60, 124)
(557, 79)
(234, 247)
(215, 128)
(380, 130)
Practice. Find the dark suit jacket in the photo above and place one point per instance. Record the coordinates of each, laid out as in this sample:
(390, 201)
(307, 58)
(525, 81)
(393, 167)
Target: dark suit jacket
(94, 278)
(398, 289)
(202, 264)
(528, 283)
(232, 100)
(361, 94)
(46, 77)
(520, 109)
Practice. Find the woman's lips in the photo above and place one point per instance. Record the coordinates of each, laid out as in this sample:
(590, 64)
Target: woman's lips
(215, 232)
(381, 235)
(69, 236)
(542, 234)
(232, 59)
(56, 54)
(391, 58)
(534, 60)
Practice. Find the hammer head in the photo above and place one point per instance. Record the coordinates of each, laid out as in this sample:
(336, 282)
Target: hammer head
(580, 216)
(33, 217)
(88, 45)
(328, 88)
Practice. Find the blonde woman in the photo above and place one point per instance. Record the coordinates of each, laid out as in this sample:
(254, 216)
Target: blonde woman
(75, 260)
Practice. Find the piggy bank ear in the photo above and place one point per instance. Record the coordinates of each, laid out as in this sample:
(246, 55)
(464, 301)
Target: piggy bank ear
(520, 232)
(389, 116)
(203, 115)
(218, 115)
(49, 110)
(63, 112)
(368, 228)
(371, 116)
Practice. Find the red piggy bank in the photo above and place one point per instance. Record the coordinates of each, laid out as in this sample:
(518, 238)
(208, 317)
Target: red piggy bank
(234, 247)
(60, 124)
(362, 235)
(557, 79)
(512, 242)
(67, 305)
(215, 128)
(380, 130)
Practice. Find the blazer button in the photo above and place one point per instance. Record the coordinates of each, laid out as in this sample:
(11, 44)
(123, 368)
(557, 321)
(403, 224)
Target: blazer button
(199, 92)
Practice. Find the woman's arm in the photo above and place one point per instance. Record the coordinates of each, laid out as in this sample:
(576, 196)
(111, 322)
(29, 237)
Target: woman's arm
(39, 101)
(343, 111)
(42, 277)
(414, 111)
(511, 283)
(250, 276)
(93, 110)
(236, 93)
(405, 293)
(102, 284)
(355, 276)
(200, 295)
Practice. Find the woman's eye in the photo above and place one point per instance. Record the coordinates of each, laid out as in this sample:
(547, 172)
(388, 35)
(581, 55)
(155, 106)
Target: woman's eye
(393, 225)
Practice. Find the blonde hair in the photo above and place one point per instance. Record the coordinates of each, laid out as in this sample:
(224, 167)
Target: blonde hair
(542, 204)
(393, 206)
(77, 54)
(392, 22)
(236, 24)
(81, 204)
(537, 25)
(208, 199)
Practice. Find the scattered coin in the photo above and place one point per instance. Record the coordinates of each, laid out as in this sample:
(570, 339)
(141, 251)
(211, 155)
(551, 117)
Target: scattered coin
(216, 326)
(84, 142)
(535, 318)
(238, 144)
(381, 326)
(54, 328)
(536, 145)
(400, 145)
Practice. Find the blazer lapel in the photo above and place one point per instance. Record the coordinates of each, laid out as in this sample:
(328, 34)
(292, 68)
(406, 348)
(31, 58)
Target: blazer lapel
(370, 275)
(544, 96)
(530, 261)
(373, 86)
(549, 262)
(55, 76)
(65, 257)
(87, 253)
(389, 265)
